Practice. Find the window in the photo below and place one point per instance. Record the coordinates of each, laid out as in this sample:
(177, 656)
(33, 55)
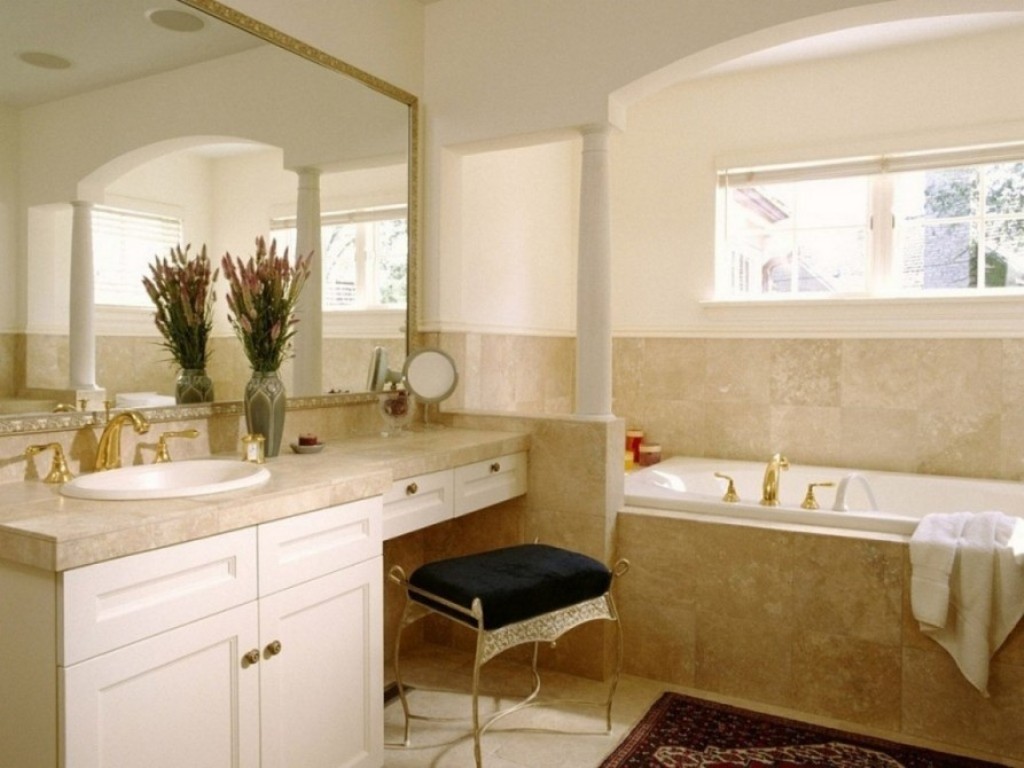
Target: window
(365, 259)
(939, 223)
(124, 244)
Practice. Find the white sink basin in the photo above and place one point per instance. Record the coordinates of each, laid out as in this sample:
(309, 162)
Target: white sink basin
(167, 481)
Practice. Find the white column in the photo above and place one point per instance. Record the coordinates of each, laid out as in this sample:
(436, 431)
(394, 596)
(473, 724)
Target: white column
(309, 332)
(82, 334)
(593, 281)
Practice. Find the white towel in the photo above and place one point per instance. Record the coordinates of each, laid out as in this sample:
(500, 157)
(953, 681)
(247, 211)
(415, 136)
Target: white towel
(933, 549)
(986, 592)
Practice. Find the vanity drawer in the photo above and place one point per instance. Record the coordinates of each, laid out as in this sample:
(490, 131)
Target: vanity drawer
(304, 547)
(113, 603)
(416, 502)
(488, 482)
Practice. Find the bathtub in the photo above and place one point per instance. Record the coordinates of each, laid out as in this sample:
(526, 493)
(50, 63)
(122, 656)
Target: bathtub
(880, 502)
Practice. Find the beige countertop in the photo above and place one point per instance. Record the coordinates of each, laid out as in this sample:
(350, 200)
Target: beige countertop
(41, 528)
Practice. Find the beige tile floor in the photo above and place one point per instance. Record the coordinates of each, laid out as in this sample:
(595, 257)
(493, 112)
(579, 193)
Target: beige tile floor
(557, 736)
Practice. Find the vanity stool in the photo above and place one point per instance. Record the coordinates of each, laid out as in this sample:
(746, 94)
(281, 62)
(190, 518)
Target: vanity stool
(529, 593)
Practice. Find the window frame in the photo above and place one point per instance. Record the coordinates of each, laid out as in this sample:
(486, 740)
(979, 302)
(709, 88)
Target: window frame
(367, 215)
(881, 242)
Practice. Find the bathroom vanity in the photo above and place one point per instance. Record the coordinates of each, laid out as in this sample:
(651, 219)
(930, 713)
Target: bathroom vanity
(240, 629)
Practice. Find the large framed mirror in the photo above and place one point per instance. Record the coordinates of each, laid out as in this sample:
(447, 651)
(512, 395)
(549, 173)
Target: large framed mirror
(189, 114)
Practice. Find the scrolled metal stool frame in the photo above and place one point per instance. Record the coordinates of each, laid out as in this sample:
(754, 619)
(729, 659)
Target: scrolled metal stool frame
(545, 627)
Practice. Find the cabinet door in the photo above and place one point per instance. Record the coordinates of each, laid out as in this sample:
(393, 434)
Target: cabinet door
(182, 698)
(321, 671)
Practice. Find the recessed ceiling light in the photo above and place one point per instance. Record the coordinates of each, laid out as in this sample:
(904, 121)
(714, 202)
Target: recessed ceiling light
(176, 21)
(44, 60)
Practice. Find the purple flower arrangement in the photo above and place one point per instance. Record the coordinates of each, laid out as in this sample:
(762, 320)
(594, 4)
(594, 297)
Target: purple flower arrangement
(181, 289)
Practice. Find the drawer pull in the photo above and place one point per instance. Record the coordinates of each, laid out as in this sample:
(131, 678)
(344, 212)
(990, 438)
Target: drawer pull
(495, 467)
(272, 649)
(252, 657)
(412, 489)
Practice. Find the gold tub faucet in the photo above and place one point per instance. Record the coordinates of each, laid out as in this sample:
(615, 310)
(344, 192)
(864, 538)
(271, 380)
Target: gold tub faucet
(770, 487)
(108, 452)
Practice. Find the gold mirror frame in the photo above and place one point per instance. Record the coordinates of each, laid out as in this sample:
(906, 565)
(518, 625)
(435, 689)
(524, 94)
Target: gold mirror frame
(17, 424)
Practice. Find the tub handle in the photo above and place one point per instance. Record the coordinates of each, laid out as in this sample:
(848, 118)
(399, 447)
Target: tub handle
(809, 501)
(730, 492)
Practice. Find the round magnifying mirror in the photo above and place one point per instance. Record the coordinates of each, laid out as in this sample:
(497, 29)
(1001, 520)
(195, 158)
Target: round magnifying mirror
(431, 376)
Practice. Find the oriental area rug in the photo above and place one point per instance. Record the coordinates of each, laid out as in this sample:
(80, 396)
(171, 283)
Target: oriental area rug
(683, 732)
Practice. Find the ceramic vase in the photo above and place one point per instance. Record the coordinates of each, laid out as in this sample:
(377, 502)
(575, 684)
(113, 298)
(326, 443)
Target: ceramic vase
(193, 386)
(264, 409)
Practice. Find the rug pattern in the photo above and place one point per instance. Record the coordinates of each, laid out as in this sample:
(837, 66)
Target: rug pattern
(683, 732)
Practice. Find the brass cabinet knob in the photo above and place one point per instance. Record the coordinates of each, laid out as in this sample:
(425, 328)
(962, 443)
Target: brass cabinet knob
(272, 649)
(252, 657)
(496, 467)
(412, 489)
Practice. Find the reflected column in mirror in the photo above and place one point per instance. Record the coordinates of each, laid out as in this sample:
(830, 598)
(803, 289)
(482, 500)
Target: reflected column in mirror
(431, 376)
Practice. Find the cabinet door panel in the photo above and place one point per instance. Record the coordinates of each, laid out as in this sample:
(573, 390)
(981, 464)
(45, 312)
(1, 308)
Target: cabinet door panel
(307, 546)
(322, 689)
(182, 698)
(114, 603)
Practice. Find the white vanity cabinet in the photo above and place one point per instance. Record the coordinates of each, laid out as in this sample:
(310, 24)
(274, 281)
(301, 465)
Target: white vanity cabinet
(259, 647)
(416, 502)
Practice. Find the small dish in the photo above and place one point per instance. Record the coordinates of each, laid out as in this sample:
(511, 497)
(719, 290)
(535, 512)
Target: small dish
(308, 448)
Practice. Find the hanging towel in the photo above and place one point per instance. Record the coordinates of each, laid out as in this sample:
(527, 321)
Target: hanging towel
(985, 587)
(933, 549)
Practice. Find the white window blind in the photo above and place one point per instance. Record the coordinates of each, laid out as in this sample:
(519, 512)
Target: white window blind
(124, 244)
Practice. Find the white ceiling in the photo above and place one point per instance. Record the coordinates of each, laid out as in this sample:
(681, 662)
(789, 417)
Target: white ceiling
(107, 41)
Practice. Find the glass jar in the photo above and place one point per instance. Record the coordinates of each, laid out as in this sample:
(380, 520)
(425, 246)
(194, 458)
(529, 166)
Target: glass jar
(633, 439)
(650, 453)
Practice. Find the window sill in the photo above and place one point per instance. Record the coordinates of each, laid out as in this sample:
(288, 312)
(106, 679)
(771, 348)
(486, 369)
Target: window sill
(929, 316)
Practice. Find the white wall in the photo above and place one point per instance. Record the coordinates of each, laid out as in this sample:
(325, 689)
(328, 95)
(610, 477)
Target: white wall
(516, 240)
(520, 70)
(949, 93)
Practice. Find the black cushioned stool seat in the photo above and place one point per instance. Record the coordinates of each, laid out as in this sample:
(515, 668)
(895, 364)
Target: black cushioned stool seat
(529, 593)
(512, 584)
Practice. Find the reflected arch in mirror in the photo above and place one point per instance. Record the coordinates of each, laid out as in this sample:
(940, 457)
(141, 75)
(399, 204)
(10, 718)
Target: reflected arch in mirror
(430, 374)
(386, 134)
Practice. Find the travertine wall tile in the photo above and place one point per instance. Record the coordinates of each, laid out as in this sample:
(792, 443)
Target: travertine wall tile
(736, 371)
(940, 705)
(836, 675)
(849, 586)
(882, 374)
(805, 371)
(744, 657)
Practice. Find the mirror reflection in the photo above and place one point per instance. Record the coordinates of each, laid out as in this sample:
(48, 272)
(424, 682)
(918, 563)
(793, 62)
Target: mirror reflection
(201, 150)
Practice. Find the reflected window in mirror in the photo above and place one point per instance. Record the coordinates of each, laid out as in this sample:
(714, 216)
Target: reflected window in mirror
(366, 257)
(124, 243)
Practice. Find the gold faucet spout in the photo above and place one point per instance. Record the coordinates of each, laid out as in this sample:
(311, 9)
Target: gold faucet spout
(770, 486)
(108, 451)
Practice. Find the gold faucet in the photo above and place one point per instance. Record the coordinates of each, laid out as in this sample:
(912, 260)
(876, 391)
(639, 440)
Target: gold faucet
(108, 452)
(162, 454)
(770, 487)
(59, 472)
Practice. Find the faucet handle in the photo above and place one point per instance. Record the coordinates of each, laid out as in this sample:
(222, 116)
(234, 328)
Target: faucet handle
(730, 492)
(164, 455)
(59, 472)
(809, 501)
